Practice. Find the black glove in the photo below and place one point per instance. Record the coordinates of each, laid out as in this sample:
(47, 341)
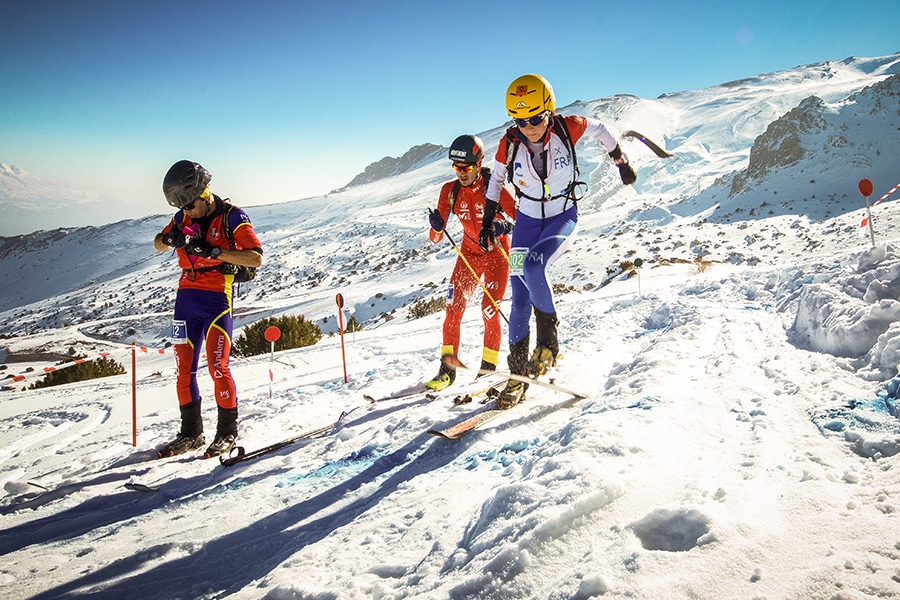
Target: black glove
(436, 220)
(626, 172)
(200, 247)
(486, 238)
(174, 239)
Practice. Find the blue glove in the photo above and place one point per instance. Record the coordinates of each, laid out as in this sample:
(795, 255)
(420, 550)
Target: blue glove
(502, 227)
(436, 220)
(200, 247)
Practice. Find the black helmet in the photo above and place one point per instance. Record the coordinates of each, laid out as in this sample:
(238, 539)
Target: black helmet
(467, 149)
(184, 183)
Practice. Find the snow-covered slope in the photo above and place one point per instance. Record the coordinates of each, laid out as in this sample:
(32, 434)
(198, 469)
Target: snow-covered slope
(739, 438)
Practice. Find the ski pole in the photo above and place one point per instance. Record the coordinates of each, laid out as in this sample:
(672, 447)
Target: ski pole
(475, 275)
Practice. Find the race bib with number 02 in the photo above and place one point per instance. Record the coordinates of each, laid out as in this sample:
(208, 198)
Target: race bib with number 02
(517, 260)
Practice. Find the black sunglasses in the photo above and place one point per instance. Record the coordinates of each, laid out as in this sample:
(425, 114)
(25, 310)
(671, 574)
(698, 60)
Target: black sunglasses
(533, 121)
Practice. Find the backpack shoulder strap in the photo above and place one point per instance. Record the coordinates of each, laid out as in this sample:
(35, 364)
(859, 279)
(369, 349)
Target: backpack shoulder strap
(454, 192)
(562, 130)
(226, 224)
(511, 144)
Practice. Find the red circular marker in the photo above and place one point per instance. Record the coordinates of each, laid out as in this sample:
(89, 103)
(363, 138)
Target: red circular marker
(272, 334)
(865, 187)
(340, 300)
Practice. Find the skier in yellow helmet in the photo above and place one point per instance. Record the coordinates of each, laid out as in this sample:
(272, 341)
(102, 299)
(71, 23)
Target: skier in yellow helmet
(537, 157)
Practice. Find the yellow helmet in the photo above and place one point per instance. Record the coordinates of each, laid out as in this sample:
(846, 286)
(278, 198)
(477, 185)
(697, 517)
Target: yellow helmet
(529, 95)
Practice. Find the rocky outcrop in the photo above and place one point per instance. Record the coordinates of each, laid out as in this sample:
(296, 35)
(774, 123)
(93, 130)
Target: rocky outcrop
(388, 166)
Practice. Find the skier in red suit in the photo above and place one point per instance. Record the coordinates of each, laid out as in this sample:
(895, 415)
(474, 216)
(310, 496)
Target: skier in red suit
(465, 198)
(200, 234)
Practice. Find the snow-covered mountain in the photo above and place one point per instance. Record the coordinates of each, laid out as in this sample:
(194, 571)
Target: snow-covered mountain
(739, 438)
(27, 202)
(775, 154)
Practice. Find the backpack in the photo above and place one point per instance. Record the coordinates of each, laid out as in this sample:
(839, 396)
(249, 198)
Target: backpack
(558, 126)
(240, 272)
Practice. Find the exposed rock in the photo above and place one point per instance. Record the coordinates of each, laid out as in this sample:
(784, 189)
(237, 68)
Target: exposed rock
(388, 166)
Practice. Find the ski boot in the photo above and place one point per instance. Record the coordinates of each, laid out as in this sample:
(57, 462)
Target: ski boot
(514, 392)
(181, 444)
(226, 433)
(221, 445)
(444, 379)
(486, 368)
(547, 348)
(191, 435)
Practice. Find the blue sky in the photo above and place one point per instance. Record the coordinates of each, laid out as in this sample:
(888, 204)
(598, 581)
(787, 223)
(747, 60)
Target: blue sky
(288, 99)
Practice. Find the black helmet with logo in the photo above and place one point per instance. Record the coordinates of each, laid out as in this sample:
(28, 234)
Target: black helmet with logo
(467, 149)
(184, 183)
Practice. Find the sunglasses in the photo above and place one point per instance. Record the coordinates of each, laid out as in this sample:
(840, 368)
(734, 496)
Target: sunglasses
(204, 196)
(533, 121)
(464, 169)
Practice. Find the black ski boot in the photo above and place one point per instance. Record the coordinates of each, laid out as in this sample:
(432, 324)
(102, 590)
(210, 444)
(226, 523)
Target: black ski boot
(486, 367)
(191, 435)
(226, 433)
(547, 348)
(514, 392)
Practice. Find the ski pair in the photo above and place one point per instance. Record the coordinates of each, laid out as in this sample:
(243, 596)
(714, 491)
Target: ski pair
(489, 412)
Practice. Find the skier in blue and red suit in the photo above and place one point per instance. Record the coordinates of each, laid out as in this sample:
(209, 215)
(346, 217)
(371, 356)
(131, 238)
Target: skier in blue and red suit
(540, 165)
(203, 304)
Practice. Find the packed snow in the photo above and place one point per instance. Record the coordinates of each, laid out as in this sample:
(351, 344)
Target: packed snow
(739, 435)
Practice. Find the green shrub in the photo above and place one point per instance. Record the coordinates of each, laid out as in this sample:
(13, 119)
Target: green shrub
(296, 332)
(352, 325)
(423, 308)
(92, 369)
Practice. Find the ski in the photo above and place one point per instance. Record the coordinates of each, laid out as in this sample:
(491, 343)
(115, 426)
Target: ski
(647, 142)
(470, 423)
(239, 454)
(411, 391)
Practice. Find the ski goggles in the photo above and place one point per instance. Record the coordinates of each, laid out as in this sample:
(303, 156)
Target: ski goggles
(464, 169)
(533, 121)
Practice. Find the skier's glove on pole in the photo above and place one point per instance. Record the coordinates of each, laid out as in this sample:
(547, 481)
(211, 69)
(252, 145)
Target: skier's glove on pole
(436, 221)
(486, 238)
(502, 227)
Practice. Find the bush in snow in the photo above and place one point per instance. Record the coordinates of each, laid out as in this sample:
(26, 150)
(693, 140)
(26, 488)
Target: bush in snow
(92, 369)
(296, 332)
